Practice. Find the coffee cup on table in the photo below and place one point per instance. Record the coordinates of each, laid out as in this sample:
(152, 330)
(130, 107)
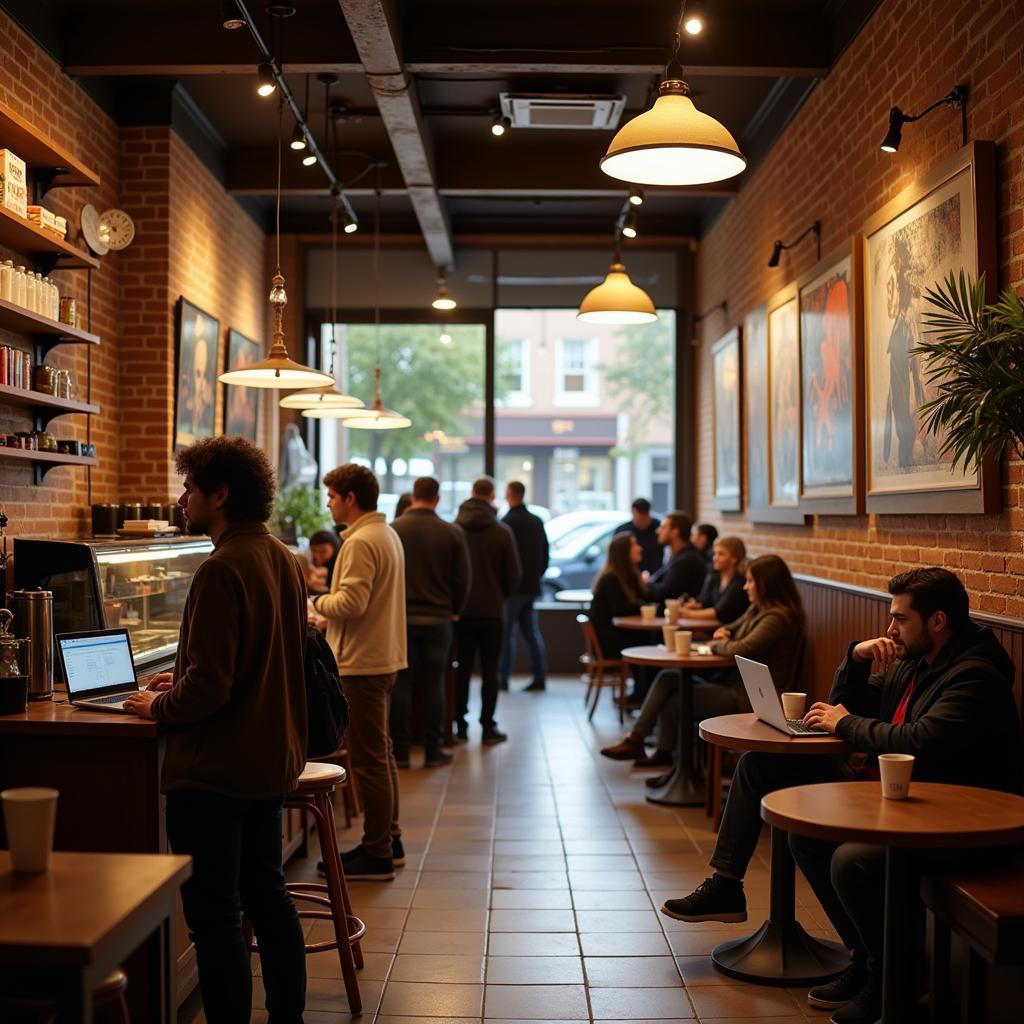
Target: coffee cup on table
(793, 705)
(672, 613)
(30, 814)
(669, 633)
(684, 641)
(895, 770)
(648, 612)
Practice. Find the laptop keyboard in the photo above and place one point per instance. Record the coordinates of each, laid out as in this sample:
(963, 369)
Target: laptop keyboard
(117, 698)
(805, 730)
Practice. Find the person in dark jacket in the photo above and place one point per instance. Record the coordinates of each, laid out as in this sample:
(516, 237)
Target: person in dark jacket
(616, 592)
(644, 527)
(722, 596)
(703, 537)
(323, 553)
(683, 574)
(945, 695)
(436, 585)
(496, 572)
(532, 544)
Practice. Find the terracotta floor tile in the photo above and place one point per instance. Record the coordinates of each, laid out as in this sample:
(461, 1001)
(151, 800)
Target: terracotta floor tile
(618, 921)
(585, 847)
(632, 972)
(532, 921)
(454, 880)
(624, 944)
(534, 970)
(741, 1000)
(600, 862)
(441, 968)
(526, 862)
(533, 944)
(457, 862)
(648, 1003)
(423, 999)
(447, 899)
(327, 965)
(605, 880)
(530, 880)
(388, 1019)
(545, 1002)
(531, 899)
(456, 943)
(592, 899)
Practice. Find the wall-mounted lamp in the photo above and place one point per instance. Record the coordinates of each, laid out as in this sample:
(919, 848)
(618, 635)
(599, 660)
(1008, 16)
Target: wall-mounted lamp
(780, 245)
(956, 98)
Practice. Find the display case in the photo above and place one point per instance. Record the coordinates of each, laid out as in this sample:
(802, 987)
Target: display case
(99, 584)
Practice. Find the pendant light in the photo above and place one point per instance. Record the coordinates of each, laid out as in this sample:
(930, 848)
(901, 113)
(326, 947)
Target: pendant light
(278, 370)
(616, 300)
(673, 143)
(443, 300)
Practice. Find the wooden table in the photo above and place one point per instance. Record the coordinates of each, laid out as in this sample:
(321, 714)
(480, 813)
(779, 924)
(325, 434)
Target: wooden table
(574, 596)
(780, 952)
(63, 930)
(654, 625)
(934, 816)
(682, 788)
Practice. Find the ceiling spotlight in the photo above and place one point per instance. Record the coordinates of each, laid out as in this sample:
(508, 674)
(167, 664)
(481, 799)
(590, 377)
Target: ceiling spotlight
(232, 16)
(894, 136)
(956, 97)
(298, 137)
(443, 300)
(309, 159)
(636, 196)
(629, 224)
(500, 125)
(267, 85)
(693, 21)
(351, 225)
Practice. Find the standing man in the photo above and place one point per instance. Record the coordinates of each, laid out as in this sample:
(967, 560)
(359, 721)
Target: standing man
(532, 544)
(496, 571)
(644, 527)
(436, 585)
(235, 706)
(365, 612)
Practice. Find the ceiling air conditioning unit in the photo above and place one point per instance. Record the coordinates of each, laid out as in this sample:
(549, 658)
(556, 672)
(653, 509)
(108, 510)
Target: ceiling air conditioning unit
(562, 110)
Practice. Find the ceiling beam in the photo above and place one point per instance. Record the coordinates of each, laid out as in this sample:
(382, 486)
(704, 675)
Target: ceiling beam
(375, 31)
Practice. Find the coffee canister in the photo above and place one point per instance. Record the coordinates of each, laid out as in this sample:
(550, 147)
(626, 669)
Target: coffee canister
(104, 520)
(174, 514)
(33, 619)
(132, 510)
(150, 510)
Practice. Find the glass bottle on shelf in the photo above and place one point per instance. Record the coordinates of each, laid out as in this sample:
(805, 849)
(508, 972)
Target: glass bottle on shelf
(51, 299)
(32, 292)
(19, 286)
(6, 280)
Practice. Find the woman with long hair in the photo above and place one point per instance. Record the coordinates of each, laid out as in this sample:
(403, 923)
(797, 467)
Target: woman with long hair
(617, 589)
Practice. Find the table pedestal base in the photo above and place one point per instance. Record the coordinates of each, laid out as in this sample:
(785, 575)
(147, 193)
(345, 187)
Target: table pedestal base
(780, 954)
(683, 789)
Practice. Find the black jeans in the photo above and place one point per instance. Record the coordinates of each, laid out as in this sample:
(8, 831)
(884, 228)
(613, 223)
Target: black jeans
(235, 845)
(428, 645)
(483, 635)
(756, 775)
(520, 614)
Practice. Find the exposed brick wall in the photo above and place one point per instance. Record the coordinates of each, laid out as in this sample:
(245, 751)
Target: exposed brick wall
(827, 166)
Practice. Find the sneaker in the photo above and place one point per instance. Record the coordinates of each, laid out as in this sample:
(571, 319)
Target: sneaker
(346, 857)
(659, 759)
(657, 781)
(842, 989)
(492, 736)
(625, 750)
(365, 868)
(438, 758)
(397, 852)
(866, 1006)
(537, 686)
(715, 899)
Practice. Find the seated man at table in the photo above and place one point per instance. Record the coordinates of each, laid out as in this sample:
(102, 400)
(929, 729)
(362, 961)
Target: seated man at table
(944, 694)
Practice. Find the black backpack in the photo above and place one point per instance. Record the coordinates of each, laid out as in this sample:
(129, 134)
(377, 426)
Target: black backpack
(326, 706)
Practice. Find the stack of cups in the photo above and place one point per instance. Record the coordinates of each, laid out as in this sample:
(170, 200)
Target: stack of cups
(672, 610)
(29, 817)
(669, 634)
(895, 770)
(684, 641)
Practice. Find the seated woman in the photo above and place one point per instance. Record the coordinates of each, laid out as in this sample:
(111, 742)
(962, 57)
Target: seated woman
(723, 596)
(617, 592)
(770, 630)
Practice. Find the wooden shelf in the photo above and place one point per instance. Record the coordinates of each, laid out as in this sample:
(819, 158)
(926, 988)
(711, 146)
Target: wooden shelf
(48, 460)
(40, 400)
(24, 321)
(23, 236)
(41, 153)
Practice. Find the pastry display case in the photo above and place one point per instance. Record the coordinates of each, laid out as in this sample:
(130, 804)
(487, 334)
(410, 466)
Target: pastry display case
(99, 584)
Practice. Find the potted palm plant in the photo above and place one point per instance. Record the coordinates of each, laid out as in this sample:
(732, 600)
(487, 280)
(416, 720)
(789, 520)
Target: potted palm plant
(974, 360)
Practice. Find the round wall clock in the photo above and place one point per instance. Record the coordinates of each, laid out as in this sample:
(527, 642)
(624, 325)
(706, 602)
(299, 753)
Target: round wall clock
(117, 229)
(89, 220)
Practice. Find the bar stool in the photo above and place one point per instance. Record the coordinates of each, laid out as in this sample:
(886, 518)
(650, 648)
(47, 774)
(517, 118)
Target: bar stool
(108, 1004)
(351, 800)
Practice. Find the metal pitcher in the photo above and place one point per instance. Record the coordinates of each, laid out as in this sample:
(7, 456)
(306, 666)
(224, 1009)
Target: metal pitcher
(33, 619)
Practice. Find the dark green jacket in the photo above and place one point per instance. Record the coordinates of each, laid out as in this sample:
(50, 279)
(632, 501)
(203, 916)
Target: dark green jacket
(765, 635)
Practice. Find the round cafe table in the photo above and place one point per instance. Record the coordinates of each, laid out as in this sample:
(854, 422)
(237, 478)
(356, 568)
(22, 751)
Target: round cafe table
(654, 625)
(780, 952)
(934, 816)
(682, 788)
(574, 596)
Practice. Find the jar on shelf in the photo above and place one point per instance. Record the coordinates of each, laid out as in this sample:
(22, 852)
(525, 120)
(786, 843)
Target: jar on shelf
(52, 309)
(19, 286)
(67, 311)
(6, 279)
(45, 379)
(65, 387)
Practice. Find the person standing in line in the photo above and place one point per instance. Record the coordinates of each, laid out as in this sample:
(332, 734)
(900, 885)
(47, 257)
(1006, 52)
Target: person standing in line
(532, 544)
(235, 706)
(365, 612)
(494, 563)
(644, 527)
(436, 585)
(323, 553)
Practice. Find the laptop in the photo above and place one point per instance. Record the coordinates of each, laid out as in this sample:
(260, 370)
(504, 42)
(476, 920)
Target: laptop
(99, 669)
(767, 705)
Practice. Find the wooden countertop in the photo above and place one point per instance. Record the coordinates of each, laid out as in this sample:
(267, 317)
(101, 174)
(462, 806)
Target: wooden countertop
(55, 717)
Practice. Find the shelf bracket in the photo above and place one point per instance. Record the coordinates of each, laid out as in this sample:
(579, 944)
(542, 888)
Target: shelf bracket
(45, 179)
(40, 469)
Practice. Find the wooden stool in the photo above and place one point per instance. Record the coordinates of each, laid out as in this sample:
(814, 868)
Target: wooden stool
(109, 1006)
(351, 800)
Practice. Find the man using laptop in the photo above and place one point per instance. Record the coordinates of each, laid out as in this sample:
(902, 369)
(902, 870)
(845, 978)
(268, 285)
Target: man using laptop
(944, 694)
(235, 708)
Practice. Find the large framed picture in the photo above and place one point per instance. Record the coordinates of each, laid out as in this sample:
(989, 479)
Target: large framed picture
(241, 405)
(831, 384)
(941, 224)
(755, 408)
(725, 416)
(195, 396)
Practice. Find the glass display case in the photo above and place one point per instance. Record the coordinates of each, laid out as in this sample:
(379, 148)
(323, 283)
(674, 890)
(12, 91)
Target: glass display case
(100, 584)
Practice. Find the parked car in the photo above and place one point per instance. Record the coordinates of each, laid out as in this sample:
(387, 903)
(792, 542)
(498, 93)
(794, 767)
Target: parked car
(579, 543)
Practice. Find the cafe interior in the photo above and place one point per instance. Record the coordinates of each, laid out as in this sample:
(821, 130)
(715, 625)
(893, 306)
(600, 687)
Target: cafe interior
(757, 262)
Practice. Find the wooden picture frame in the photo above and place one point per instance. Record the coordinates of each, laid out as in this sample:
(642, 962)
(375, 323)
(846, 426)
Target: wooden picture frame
(241, 405)
(197, 338)
(832, 383)
(726, 399)
(944, 222)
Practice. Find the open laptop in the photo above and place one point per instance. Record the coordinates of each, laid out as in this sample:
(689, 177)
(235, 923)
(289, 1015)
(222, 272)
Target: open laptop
(99, 669)
(767, 705)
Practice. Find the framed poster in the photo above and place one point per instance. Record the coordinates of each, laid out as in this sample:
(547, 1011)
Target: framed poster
(725, 417)
(831, 384)
(942, 224)
(241, 405)
(195, 395)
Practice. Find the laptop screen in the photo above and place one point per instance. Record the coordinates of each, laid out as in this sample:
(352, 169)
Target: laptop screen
(96, 661)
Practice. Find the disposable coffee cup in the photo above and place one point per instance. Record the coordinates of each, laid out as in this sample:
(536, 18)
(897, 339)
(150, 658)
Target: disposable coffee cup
(895, 770)
(793, 705)
(672, 604)
(648, 612)
(672, 614)
(684, 641)
(29, 817)
(669, 633)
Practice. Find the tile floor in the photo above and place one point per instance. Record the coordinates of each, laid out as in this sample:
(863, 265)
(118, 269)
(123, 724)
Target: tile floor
(535, 870)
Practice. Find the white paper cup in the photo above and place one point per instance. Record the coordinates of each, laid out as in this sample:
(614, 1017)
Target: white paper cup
(684, 641)
(672, 604)
(669, 634)
(895, 770)
(29, 817)
(793, 705)
(648, 612)
(672, 614)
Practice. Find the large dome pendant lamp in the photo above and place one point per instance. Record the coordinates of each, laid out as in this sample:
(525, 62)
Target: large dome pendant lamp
(673, 143)
(616, 300)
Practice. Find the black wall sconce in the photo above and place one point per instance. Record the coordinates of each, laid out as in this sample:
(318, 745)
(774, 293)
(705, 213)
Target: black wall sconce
(956, 97)
(780, 245)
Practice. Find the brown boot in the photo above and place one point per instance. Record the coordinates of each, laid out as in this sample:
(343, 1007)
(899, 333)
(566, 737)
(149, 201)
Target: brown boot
(627, 749)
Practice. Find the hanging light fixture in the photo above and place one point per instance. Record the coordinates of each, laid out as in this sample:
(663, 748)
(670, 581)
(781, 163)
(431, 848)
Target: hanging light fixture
(673, 143)
(298, 137)
(636, 196)
(616, 300)
(445, 338)
(351, 225)
(265, 77)
(278, 370)
(443, 300)
(629, 223)
(231, 16)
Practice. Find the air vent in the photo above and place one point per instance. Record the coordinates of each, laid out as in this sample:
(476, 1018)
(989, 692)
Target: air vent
(564, 111)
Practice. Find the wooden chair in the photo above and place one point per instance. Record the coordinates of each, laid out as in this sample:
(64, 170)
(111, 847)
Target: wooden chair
(596, 667)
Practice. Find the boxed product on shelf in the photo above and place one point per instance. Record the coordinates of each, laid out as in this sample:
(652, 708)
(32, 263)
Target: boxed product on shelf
(13, 183)
(42, 217)
(15, 367)
(61, 226)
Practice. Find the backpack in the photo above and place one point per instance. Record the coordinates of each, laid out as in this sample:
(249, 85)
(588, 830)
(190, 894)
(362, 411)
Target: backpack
(326, 706)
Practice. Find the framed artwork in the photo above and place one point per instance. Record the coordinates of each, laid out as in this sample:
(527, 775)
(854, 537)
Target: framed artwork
(725, 416)
(195, 396)
(241, 405)
(831, 406)
(755, 408)
(941, 224)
